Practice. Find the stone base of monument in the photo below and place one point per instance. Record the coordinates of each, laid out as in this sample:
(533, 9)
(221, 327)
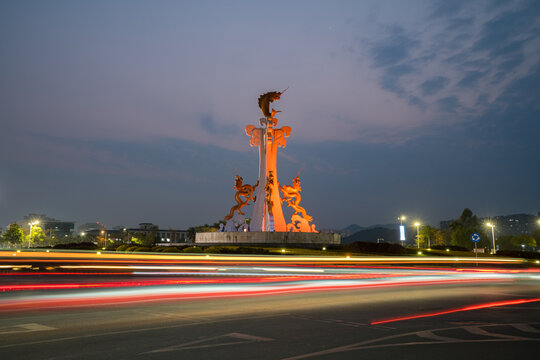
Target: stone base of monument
(302, 239)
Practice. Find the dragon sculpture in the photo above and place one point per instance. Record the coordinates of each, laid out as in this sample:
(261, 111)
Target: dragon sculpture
(290, 192)
(245, 191)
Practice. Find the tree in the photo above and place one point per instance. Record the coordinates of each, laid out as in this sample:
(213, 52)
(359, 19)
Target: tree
(202, 228)
(146, 238)
(430, 236)
(14, 234)
(462, 228)
(505, 242)
(38, 236)
(523, 242)
(536, 236)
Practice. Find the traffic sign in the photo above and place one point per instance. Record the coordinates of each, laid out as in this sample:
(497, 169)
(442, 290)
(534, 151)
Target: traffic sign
(475, 237)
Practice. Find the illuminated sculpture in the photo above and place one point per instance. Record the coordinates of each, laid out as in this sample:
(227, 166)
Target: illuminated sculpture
(242, 190)
(267, 212)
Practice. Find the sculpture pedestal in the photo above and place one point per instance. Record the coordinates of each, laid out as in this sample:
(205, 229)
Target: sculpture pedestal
(267, 238)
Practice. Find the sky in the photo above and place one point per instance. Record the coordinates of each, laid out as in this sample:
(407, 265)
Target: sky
(134, 111)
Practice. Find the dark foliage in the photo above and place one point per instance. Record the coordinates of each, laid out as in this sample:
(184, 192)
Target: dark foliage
(77, 246)
(451, 247)
(519, 254)
(369, 247)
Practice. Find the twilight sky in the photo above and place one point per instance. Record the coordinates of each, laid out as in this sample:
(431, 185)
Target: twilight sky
(133, 111)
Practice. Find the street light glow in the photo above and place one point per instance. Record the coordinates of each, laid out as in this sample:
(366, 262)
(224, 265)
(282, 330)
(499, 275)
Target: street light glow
(492, 226)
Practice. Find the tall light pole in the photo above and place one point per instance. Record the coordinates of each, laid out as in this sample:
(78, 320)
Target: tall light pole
(32, 224)
(417, 224)
(493, 251)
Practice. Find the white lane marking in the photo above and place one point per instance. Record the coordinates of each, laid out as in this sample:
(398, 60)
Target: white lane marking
(210, 342)
(249, 337)
(372, 344)
(526, 328)
(479, 331)
(429, 335)
(131, 331)
(22, 328)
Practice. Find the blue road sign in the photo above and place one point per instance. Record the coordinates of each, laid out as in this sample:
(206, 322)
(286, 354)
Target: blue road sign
(475, 237)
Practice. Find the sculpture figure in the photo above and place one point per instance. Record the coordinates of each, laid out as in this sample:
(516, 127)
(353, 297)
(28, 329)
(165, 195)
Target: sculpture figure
(245, 191)
(290, 192)
(266, 99)
(269, 188)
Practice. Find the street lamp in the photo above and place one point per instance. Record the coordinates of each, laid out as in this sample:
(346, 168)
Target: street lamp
(32, 224)
(417, 224)
(103, 237)
(493, 251)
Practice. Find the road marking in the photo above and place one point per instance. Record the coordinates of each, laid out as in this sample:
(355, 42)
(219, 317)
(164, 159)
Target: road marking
(138, 330)
(204, 343)
(429, 335)
(373, 344)
(479, 331)
(22, 328)
(526, 328)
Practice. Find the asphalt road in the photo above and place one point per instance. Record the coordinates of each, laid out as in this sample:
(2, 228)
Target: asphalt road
(306, 325)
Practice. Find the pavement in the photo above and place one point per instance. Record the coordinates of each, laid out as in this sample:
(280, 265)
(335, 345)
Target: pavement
(336, 324)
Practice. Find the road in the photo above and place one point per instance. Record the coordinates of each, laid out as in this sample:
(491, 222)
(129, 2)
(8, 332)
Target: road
(257, 311)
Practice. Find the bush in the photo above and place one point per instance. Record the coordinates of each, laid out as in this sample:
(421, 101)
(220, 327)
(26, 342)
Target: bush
(143, 249)
(77, 246)
(451, 247)
(213, 250)
(369, 247)
(122, 247)
(131, 248)
(170, 249)
(193, 249)
(519, 254)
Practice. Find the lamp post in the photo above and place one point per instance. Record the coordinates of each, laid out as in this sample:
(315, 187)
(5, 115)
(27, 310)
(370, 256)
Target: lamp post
(32, 224)
(493, 251)
(417, 224)
(103, 236)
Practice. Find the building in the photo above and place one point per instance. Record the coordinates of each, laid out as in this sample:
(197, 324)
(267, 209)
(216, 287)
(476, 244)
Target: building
(165, 236)
(51, 227)
(516, 224)
(512, 225)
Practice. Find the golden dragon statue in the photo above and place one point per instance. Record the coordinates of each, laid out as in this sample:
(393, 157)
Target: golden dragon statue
(290, 192)
(245, 191)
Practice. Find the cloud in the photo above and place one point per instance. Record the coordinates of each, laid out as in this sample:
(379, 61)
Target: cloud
(448, 104)
(393, 48)
(212, 127)
(471, 78)
(444, 8)
(498, 32)
(390, 79)
(434, 85)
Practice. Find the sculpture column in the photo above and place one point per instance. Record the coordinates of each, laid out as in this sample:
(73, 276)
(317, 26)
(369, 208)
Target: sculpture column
(268, 214)
(259, 218)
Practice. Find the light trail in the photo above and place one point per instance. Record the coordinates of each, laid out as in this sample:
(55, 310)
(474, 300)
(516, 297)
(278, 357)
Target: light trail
(219, 291)
(261, 258)
(465, 308)
(154, 277)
